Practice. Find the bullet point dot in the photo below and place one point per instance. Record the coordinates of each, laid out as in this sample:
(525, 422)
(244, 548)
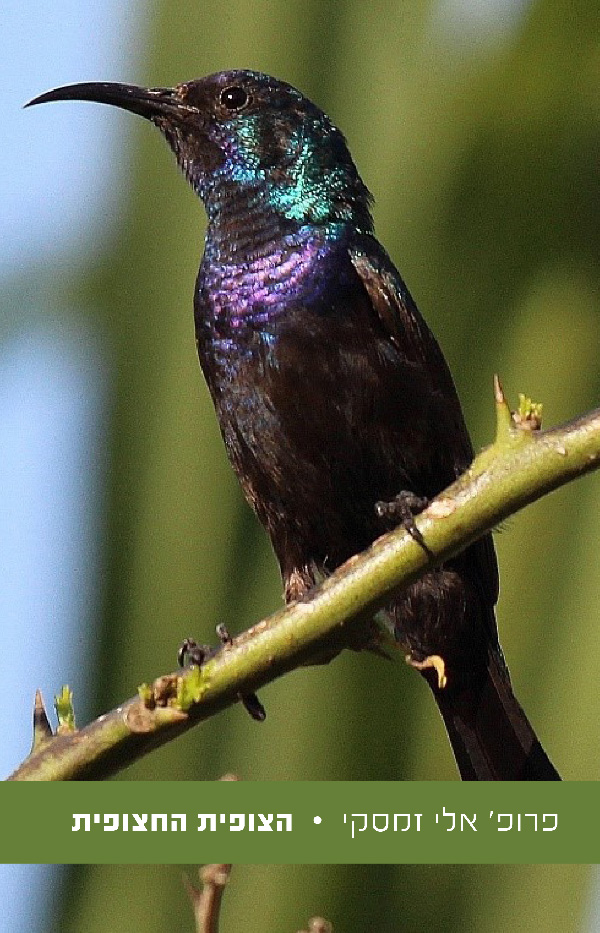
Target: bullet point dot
(317, 820)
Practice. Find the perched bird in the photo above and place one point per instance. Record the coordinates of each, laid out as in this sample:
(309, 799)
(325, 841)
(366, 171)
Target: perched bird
(336, 405)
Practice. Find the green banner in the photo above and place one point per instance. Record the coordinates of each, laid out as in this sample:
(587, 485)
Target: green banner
(300, 822)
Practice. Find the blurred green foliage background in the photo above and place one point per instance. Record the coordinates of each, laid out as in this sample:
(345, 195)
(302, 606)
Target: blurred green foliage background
(482, 153)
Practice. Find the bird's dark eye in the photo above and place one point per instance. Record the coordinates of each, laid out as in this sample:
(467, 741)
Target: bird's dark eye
(234, 98)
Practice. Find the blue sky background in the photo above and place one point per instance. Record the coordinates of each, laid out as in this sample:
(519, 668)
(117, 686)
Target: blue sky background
(53, 369)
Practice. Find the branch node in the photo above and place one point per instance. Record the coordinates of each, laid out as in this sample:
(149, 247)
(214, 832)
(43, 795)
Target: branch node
(206, 901)
(191, 686)
(318, 925)
(63, 704)
(528, 416)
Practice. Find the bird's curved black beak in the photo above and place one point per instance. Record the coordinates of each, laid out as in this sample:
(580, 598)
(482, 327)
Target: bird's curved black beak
(148, 102)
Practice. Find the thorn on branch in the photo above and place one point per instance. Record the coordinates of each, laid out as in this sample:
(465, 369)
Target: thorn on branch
(42, 730)
(499, 391)
(503, 416)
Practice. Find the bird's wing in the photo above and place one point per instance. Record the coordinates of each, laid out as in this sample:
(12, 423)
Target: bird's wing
(407, 330)
(404, 326)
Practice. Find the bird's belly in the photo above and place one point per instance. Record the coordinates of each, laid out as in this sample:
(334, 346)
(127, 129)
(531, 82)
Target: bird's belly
(315, 447)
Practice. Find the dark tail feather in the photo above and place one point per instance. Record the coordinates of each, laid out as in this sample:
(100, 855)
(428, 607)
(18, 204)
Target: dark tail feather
(491, 737)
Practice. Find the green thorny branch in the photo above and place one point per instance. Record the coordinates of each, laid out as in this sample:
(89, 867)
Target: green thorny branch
(523, 464)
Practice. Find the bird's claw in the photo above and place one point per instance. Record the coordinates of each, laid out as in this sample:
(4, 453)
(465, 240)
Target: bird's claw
(401, 510)
(434, 661)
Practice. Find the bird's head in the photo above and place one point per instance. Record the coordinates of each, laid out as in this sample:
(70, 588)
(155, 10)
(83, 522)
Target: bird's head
(246, 131)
